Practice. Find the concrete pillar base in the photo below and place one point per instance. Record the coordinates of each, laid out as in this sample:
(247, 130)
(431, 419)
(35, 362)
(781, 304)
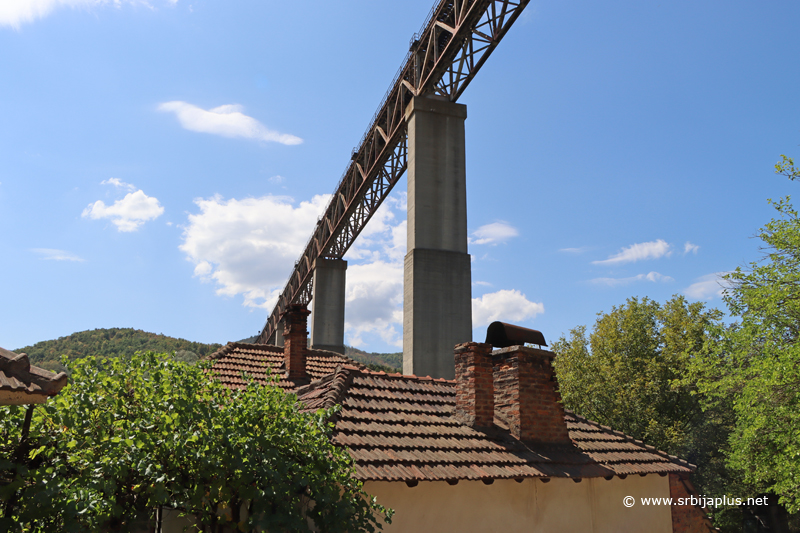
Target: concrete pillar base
(330, 348)
(437, 310)
(327, 305)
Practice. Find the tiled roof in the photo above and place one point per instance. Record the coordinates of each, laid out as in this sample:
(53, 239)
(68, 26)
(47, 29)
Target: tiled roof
(254, 359)
(22, 383)
(400, 428)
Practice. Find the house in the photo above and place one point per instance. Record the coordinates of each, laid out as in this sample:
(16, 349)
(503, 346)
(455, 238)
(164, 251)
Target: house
(492, 450)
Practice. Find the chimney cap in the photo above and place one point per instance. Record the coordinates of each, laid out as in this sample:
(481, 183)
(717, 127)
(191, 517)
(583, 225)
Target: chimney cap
(502, 335)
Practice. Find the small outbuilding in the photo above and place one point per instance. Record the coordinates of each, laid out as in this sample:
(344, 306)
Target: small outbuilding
(22, 383)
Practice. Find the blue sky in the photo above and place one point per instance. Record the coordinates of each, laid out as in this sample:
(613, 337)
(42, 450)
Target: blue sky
(162, 162)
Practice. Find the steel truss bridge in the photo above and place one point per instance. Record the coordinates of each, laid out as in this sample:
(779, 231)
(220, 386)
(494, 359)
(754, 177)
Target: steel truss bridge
(456, 39)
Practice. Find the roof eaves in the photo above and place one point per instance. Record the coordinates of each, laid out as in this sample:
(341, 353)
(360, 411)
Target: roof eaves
(628, 438)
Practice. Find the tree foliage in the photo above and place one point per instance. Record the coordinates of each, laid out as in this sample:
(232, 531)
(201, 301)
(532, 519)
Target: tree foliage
(755, 367)
(134, 433)
(628, 372)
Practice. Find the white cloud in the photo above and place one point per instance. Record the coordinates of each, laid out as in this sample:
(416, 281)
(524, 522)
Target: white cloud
(651, 276)
(129, 213)
(637, 252)
(16, 12)
(482, 283)
(493, 233)
(226, 120)
(707, 287)
(277, 179)
(51, 254)
(116, 182)
(374, 302)
(505, 305)
(375, 277)
(689, 247)
(249, 246)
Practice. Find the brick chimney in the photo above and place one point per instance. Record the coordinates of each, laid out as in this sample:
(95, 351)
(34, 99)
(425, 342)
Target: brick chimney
(295, 341)
(526, 395)
(474, 384)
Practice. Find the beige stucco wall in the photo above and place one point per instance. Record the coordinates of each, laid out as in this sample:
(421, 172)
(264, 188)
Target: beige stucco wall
(559, 506)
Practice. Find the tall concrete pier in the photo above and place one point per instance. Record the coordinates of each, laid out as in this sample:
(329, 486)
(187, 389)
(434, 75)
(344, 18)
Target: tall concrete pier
(327, 305)
(437, 284)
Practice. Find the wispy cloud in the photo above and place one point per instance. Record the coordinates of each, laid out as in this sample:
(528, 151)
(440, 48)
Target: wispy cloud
(226, 120)
(638, 252)
(129, 213)
(494, 233)
(508, 305)
(615, 282)
(690, 248)
(14, 13)
(51, 254)
(707, 287)
(579, 250)
(116, 182)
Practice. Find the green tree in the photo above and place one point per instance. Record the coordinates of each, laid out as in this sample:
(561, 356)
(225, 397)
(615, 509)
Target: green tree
(131, 434)
(630, 373)
(755, 368)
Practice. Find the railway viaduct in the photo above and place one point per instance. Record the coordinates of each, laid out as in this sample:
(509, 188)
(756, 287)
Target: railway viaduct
(418, 128)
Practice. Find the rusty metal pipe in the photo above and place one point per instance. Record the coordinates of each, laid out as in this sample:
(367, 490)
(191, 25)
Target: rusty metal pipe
(502, 335)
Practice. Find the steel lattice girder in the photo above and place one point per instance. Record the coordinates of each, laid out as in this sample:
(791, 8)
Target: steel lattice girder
(457, 38)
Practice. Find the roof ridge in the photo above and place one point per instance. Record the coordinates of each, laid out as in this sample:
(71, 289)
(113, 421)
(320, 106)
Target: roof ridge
(231, 346)
(328, 353)
(399, 375)
(225, 350)
(341, 380)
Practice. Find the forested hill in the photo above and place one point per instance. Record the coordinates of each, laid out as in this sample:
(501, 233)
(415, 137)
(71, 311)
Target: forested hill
(114, 341)
(110, 343)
